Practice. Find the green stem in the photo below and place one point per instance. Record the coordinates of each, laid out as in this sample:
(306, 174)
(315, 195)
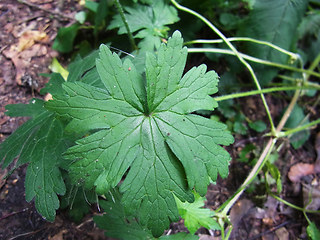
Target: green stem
(266, 90)
(292, 55)
(235, 52)
(314, 64)
(298, 129)
(121, 12)
(292, 205)
(287, 113)
(253, 173)
(253, 59)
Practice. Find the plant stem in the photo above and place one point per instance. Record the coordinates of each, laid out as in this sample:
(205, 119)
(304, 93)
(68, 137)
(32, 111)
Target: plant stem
(292, 205)
(255, 92)
(253, 173)
(314, 64)
(292, 55)
(264, 155)
(298, 129)
(287, 113)
(121, 12)
(235, 52)
(253, 59)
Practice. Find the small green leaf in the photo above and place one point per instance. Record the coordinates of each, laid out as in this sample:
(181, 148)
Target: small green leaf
(258, 126)
(276, 175)
(295, 119)
(313, 231)
(65, 38)
(195, 216)
(239, 125)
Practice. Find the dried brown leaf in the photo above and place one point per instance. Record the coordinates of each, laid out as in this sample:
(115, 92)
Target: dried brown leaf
(300, 170)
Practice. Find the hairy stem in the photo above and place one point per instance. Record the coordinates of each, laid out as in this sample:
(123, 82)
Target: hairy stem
(292, 55)
(121, 12)
(253, 59)
(266, 90)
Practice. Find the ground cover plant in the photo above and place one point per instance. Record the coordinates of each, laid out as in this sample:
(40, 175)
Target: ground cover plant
(141, 138)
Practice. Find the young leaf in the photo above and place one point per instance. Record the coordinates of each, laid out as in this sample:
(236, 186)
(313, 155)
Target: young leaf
(150, 22)
(195, 216)
(38, 142)
(146, 127)
(313, 231)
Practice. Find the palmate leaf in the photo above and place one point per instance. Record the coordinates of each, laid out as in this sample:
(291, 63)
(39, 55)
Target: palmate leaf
(149, 21)
(38, 142)
(145, 128)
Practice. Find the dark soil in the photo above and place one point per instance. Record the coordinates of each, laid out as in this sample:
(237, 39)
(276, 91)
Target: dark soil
(255, 216)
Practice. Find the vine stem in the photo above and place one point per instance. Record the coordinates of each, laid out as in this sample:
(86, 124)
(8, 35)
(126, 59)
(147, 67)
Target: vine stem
(298, 129)
(253, 59)
(292, 55)
(265, 90)
(124, 20)
(235, 51)
(292, 205)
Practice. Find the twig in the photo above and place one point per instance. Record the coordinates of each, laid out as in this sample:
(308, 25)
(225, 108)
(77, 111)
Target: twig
(25, 234)
(14, 213)
(46, 10)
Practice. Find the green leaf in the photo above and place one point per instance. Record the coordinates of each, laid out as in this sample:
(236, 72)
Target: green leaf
(295, 119)
(149, 21)
(38, 142)
(180, 236)
(276, 175)
(239, 125)
(54, 86)
(65, 38)
(195, 216)
(258, 126)
(146, 132)
(276, 22)
(117, 223)
(313, 231)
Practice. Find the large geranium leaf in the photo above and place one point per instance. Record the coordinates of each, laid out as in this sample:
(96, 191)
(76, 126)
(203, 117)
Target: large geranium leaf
(144, 130)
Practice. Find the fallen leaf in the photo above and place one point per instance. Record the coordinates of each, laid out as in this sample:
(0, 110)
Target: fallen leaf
(58, 236)
(300, 170)
(29, 38)
(282, 233)
(239, 210)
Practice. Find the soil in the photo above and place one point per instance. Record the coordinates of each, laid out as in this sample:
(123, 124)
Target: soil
(27, 32)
